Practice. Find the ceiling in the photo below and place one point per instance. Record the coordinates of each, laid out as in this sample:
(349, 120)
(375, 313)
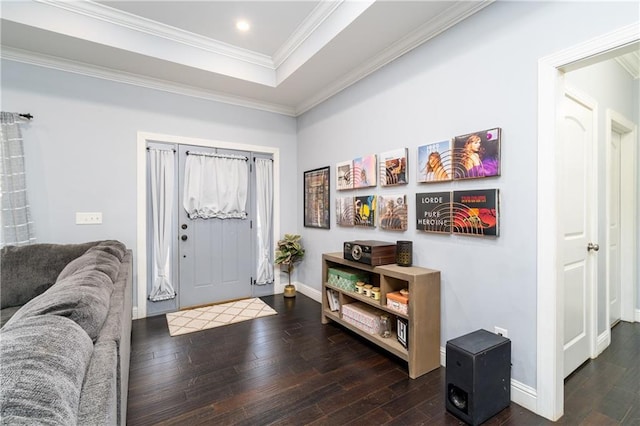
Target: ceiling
(296, 54)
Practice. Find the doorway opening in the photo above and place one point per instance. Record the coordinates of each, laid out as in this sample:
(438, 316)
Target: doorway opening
(143, 235)
(550, 310)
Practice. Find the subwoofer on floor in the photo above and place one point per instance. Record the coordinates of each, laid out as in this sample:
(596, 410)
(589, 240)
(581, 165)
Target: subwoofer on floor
(478, 376)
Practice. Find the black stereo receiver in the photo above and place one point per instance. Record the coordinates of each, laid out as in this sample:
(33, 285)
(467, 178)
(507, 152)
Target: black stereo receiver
(370, 252)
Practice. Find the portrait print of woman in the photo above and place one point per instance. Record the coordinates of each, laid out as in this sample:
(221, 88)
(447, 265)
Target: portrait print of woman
(477, 155)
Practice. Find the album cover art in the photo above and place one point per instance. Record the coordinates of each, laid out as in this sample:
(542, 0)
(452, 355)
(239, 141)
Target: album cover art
(433, 212)
(476, 212)
(364, 171)
(344, 211)
(344, 172)
(393, 167)
(393, 212)
(477, 155)
(365, 210)
(434, 162)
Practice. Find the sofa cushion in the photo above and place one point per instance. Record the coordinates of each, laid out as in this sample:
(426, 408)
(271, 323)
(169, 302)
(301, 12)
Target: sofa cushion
(98, 399)
(105, 256)
(27, 271)
(44, 360)
(82, 297)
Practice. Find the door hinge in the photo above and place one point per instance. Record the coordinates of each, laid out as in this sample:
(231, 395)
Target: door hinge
(251, 224)
(251, 281)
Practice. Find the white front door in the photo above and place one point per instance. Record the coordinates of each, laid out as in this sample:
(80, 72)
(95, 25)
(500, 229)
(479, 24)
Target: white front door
(578, 209)
(614, 252)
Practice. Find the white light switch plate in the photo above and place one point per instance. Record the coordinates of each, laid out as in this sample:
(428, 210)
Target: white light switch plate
(88, 218)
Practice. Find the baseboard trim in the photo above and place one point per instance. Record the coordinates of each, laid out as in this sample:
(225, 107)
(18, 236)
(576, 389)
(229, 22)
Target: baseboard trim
(309, 292)
(602, 342)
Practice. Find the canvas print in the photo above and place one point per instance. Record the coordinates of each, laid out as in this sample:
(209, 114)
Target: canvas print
(344, 172)
(316, 198)
(477, 155)
(365, 210)
(434, 162)
(344, 211)
(476, 212)
(433, 212)
(393, 167)
(364, 171)
(393, 212)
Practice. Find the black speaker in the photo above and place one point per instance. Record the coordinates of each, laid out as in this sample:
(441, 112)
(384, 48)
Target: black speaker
(478, 376)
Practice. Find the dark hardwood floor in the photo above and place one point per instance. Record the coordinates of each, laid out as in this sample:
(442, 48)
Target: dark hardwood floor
(289, 369)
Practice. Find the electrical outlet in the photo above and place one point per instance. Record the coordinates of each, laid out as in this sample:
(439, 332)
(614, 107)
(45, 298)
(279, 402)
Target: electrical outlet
(85, 218)
(501, 331)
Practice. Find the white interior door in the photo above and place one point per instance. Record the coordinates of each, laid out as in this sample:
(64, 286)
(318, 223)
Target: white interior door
(577, 204)
(614, 230)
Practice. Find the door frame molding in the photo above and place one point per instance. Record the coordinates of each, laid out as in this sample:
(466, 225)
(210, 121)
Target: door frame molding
(615, 121)
(549, 333)
(140, 311)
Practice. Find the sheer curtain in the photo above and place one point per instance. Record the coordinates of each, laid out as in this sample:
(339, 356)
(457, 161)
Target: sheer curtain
(215, 185)
(162, 168)
(264, 202)
(17, 227)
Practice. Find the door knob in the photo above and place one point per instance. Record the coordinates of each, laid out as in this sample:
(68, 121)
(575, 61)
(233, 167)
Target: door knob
(594, 247)
(184, 238)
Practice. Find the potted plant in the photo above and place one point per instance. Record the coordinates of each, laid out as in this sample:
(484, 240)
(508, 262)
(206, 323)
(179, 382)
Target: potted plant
(288, 253)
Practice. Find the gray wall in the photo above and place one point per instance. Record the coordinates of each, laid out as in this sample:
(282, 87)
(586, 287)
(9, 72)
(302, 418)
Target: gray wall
(612, 87)
(480, 74)
(81, 147)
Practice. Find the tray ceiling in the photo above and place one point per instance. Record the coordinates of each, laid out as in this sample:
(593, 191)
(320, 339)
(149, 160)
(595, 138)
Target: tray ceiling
(296, 54)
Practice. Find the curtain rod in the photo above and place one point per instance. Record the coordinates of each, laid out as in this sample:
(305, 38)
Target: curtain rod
(236, 157)
(26, 115)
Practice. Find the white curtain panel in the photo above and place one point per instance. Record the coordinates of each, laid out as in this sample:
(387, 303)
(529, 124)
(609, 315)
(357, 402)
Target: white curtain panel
(264, 189)
(216, 186)
(162, 168)
(15, 221)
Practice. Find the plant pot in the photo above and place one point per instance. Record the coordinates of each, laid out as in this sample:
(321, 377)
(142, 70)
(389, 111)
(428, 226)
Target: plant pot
(289, 290)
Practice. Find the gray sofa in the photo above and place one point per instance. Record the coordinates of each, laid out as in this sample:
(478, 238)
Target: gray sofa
(66, 333)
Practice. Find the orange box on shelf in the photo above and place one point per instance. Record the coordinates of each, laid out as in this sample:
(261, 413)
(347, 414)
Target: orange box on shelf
(398, 302)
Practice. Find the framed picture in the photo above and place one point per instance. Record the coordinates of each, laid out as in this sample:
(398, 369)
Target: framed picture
(345, 211)
(476, 212)
(393, 167)
(477, 155)
(393, 212)
(434, 162)
(344, 172)
(316, 198)
(364, 211)
(364, 171)
(433, 212)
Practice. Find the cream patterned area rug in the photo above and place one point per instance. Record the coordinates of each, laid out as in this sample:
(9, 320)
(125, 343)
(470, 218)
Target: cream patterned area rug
(188, 321)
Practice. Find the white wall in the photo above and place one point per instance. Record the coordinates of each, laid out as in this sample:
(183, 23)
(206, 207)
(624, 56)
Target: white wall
(81, 146)
(612, 87)
(478, 75)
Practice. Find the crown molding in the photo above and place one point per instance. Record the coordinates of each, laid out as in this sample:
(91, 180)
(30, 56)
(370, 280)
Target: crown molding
(631, 63)
(450, 17)
(320, 13)
(97, 11)
(74, 67)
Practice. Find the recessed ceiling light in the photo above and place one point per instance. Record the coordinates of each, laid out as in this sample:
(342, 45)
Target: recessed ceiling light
(243, 25)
